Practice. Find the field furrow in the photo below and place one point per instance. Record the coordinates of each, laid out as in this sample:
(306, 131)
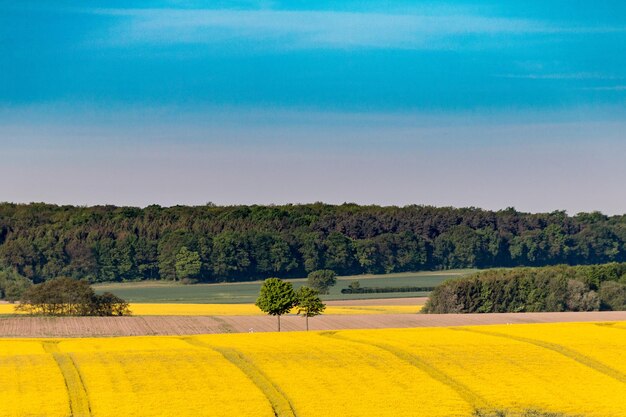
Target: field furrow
(563, 350)
(345, 378)
(79, 402)
(472, 398)
(31, 383)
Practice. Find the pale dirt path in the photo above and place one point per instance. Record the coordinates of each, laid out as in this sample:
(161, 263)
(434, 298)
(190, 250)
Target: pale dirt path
(188, 325)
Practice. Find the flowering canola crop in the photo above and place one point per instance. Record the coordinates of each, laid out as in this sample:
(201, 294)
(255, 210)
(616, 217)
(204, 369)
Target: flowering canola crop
(153, 309)
(574, 369)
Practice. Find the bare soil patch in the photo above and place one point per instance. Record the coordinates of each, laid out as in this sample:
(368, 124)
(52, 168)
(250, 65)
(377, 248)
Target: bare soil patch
(189, 325)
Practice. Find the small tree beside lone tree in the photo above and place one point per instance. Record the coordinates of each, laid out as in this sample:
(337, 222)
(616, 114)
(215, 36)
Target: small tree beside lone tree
(309, 303)
(321, 280)
(277, 297)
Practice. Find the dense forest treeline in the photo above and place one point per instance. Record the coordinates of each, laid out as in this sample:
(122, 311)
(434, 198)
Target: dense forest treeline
(550, 288)
(210, 243)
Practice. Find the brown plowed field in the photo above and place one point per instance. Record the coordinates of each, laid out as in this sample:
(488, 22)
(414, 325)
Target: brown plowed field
(188, 325)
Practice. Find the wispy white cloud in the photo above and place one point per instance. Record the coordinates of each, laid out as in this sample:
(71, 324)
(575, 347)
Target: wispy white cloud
(299, 29)
(608, 88)
(561, 76)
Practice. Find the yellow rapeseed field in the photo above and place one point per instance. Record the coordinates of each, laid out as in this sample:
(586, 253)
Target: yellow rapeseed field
(165, 309)
(30, 381)
(251, 309)
(576, 369)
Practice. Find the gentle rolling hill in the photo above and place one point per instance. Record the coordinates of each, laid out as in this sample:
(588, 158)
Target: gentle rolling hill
(565, 369)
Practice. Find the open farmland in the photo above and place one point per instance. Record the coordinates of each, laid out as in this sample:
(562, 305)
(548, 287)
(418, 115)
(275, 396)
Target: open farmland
(20, 326)
(572, 369)
(247, 292)
(167, 309)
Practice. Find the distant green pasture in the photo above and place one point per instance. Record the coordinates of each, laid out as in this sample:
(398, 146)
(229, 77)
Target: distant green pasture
(247, 292)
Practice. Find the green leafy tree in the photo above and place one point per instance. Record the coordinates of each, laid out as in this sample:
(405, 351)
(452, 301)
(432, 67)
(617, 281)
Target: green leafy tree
(12, 284)
(613, 296)
(309, 303)
(188, 264)
(322, 280)
(277, 297)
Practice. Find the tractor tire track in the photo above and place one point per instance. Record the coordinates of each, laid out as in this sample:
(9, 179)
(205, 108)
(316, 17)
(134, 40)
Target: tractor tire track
(610, 325)
(572, 354)
(78, 398)
(281, 405)
(467, 394)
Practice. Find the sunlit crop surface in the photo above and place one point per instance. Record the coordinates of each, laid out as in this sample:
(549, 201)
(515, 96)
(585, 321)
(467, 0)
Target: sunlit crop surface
(571, 369)
(241, 309)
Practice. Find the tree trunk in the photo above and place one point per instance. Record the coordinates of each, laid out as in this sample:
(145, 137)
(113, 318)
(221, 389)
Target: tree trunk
(307, 323)
(278, 322)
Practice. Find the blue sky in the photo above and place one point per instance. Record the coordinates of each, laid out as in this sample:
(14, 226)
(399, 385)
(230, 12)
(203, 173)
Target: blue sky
(484, 103)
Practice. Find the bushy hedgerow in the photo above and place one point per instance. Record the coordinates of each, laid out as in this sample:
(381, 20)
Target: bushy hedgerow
(69, 297)
(557, 288)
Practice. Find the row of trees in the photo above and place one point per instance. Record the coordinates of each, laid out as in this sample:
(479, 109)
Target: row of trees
(554, 288)
(210, 243)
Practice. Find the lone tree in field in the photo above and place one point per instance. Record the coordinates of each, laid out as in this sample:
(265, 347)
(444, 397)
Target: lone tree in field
(322, 280)
(277, 297)
(309, 303)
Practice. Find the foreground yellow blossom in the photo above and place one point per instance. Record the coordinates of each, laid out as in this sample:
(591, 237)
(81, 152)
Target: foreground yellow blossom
(571, 369)
(153, 309)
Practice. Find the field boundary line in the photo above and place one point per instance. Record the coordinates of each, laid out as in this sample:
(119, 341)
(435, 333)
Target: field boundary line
(572, 354)
(279, 402)
(467, 394)
(77, 394)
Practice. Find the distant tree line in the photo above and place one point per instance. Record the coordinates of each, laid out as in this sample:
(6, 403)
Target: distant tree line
(551, 288)
(210, 243)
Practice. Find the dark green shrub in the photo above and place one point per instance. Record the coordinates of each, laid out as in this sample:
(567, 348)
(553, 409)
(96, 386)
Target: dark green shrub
(322, 280)
(514, 290)
(613, 296)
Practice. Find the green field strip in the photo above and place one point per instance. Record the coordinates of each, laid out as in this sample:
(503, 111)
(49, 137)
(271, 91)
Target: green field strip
(572, 354)
(281, 405)
(467, 394)
(79, 401)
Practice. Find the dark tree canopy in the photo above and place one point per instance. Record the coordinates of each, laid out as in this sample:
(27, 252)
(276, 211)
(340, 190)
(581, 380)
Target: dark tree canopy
(70, 297)
(322, 280)
(235, 243)
(551, 288)
(12, 284)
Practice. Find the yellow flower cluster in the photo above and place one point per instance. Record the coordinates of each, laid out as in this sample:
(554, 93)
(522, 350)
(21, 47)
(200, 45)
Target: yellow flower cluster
(251, 309)
(30, 381)
(149, 309)
(574, 369)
